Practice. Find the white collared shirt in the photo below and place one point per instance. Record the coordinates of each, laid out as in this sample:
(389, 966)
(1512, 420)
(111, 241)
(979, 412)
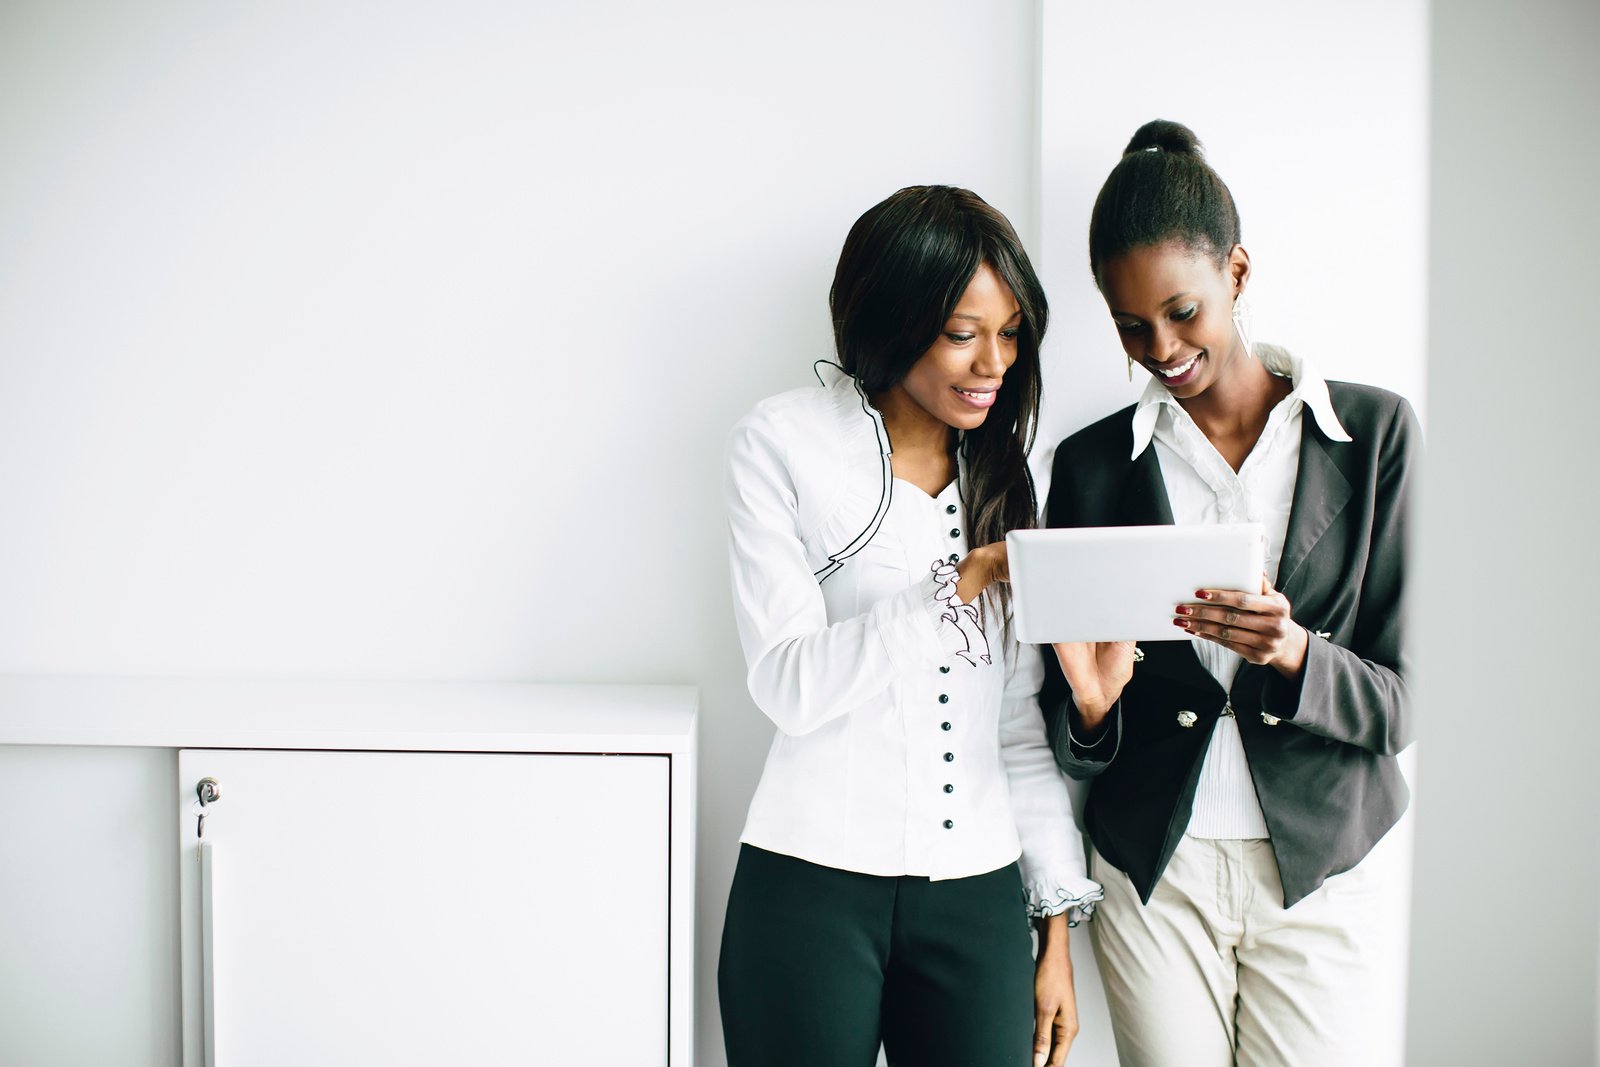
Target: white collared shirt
(1202, 488)
(899, 750)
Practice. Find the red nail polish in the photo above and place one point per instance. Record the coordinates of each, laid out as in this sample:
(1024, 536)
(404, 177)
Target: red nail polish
(1184, 609)
(1181, 622)
(1202, 594)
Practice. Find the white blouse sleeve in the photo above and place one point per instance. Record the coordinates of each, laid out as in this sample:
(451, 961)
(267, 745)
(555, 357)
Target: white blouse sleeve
(1053, 873)
(803, 671)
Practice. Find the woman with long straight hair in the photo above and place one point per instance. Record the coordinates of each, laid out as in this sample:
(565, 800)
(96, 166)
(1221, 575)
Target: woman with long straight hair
(1243, 772)
(910, 818)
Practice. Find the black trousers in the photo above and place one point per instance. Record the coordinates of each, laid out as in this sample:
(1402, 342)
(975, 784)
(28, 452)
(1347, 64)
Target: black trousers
(820, 965)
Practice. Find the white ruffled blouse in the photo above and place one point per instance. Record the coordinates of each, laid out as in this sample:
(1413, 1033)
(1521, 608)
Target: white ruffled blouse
(909, 735)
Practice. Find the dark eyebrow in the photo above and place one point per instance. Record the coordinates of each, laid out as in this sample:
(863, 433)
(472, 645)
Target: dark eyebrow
(1017, 314)
(1174, 298)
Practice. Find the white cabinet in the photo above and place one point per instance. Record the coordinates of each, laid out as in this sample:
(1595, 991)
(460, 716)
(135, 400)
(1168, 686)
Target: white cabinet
(410, 908)
(395, 873)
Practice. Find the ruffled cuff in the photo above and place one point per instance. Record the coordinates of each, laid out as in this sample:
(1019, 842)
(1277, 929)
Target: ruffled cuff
(1074, 895)
(960, 626)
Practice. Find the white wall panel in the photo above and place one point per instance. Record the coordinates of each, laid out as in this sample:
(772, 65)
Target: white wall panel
(1316, 117)
(1508, 515)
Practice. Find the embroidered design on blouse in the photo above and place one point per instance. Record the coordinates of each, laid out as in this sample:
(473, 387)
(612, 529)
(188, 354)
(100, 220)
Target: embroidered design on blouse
(836, 559)
(964, 617)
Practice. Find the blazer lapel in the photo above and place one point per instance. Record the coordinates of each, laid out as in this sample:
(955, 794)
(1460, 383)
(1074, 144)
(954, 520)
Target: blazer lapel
(1321, 492)
(1144, 494)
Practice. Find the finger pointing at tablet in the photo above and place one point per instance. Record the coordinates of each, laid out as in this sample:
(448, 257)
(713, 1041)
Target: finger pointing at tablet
(1257, 626)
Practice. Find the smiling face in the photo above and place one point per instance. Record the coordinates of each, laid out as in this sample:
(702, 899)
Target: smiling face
(956, 381)
(1173, 308)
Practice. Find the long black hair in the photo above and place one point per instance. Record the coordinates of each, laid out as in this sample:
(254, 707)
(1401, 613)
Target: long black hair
(904, 267)
(1162, 190)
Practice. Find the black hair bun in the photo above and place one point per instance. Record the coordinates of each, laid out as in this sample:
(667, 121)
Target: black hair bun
(1172, 137)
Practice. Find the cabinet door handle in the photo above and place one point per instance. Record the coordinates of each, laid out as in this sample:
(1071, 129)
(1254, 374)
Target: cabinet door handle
(207, 857)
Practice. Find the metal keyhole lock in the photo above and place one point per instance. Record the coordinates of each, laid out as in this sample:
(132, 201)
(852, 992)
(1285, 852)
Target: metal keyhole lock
(208, 791)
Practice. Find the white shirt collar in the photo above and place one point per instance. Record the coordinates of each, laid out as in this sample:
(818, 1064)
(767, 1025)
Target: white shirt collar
(1310, 389)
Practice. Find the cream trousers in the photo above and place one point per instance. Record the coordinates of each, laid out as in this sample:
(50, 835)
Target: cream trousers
(1214, 971)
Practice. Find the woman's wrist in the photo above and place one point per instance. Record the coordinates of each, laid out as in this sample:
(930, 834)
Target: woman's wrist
(1293, 659)
(1092, 713)
(1055, 935)
(977, 571)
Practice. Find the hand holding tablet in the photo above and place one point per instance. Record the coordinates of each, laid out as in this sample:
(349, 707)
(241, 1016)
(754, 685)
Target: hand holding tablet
(1257, 626)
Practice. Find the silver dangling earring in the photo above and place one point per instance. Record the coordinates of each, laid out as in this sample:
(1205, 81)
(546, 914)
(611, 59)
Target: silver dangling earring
(1241, 322)
(1130, 368)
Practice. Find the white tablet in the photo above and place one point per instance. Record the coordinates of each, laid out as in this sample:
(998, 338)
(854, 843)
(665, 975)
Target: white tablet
(1120, 583)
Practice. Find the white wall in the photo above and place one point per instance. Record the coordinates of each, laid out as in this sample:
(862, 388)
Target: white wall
(1508, 870)
(1317, 118)
(401, 341)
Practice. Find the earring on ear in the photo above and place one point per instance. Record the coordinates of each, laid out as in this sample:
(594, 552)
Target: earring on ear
(1130, 368)
(1241, 322)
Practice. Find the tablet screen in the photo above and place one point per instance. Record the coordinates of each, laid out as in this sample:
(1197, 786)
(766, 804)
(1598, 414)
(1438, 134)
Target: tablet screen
(1120, 583)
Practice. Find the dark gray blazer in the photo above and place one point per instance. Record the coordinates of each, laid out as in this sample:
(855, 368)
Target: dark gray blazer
(1325, 771)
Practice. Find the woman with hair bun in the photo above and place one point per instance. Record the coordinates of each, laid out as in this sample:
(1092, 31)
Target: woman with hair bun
(1242, 772)
(911, 817)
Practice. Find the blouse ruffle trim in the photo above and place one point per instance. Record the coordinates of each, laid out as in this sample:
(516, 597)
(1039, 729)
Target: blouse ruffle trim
(1077, 898)
(861, 478)
(960, 625)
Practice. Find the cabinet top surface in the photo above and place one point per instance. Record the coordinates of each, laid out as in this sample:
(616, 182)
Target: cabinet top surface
(431, 716)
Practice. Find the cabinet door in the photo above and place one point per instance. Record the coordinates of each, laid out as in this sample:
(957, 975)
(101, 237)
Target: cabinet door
(425, 908)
